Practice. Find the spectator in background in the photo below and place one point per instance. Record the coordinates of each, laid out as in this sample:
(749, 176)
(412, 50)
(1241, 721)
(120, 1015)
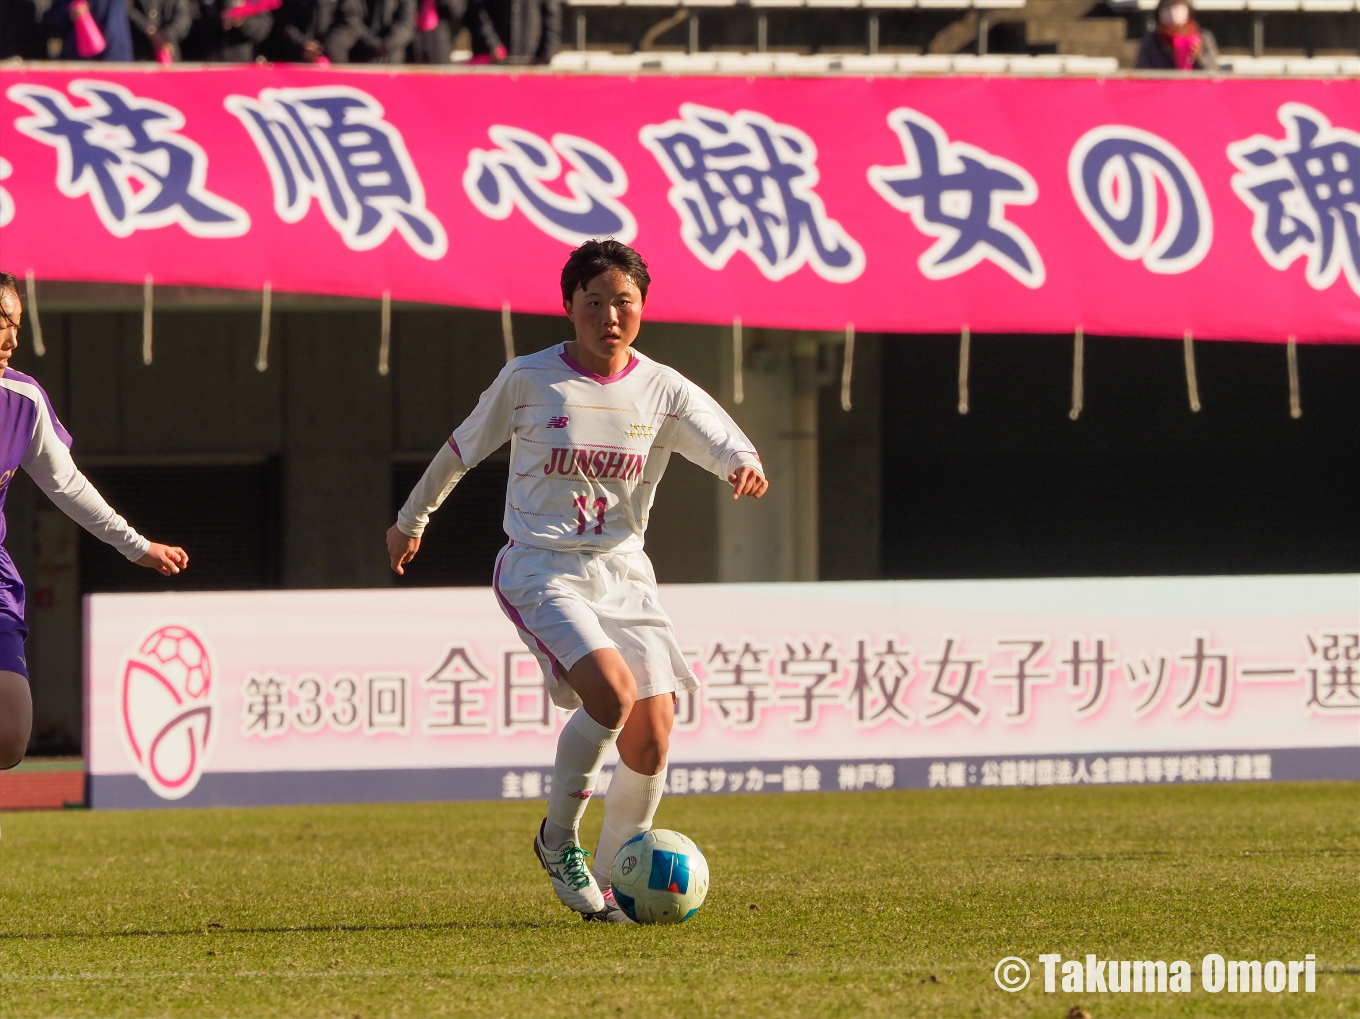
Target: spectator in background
(221, 34)
(112, 38)
(1175, 42)
(514, 31)
(159, 26)
(316, 31)
(390, 27)
(435, 45)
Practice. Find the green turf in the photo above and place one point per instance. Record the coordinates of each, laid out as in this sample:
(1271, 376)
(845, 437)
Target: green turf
(846, 904)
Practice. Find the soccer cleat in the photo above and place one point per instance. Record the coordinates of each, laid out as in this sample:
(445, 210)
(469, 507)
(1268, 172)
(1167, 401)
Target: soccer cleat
(612, 912)
(570, 875)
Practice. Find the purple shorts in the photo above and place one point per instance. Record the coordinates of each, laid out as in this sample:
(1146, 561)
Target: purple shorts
(13, 630)
(12, 652)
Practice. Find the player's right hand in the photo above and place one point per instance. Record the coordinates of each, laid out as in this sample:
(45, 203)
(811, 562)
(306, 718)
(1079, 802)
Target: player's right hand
(166, 560)
(401, 548)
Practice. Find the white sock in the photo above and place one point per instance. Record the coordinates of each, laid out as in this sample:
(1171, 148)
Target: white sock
(581, 751)
(629, 806)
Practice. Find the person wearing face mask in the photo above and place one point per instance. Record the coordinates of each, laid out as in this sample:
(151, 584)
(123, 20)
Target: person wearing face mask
(1176, 42)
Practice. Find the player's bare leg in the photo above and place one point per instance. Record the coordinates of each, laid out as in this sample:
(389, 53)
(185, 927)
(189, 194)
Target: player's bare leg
(605, 685)
(607, 690)
(16, 718)
(646, 736)
(636, 788)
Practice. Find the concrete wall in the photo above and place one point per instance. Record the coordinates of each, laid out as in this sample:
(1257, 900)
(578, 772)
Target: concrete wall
(337, 451)
(849, 476)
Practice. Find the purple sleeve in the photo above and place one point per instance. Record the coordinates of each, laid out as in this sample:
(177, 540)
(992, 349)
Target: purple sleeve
(57, 426)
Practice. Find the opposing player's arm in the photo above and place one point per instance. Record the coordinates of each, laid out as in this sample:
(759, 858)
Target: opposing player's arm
(49, 463)
(486, 429)
(707, 435)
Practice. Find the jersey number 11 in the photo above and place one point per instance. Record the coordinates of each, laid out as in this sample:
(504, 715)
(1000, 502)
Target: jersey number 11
(599, 506)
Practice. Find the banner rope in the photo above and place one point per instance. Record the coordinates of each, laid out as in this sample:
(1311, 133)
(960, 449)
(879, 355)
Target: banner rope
(847, 366)
(1191, 382)
(1292, 352)
(385, 343)
(507, 333)
(34, 323)
(1078, 370)
(738, 362)
(148, 295)
(964, 339)
(266, 307)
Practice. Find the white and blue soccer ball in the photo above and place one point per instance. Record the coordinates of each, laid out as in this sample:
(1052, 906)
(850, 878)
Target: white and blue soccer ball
(659, 877)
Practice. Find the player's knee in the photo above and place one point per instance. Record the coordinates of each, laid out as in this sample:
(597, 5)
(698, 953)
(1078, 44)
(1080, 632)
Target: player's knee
(623, 695)
(622, 689)
(610, 703)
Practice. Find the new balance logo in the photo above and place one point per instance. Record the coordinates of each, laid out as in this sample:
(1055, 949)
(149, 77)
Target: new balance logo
(580, 794)
(639, 431)
(558, 422)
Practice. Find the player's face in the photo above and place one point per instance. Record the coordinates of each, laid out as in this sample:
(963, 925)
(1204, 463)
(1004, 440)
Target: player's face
(607, 314)
(11, 311)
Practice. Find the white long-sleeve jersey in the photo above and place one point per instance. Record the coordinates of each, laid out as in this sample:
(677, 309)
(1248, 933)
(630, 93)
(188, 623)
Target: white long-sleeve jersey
(35, 439)
(586, 451)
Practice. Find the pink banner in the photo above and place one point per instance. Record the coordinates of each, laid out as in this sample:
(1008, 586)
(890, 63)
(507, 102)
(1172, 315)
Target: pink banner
(1124, 207)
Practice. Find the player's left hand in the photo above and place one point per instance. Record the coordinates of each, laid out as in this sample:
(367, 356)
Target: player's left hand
(166, 560)
(747, 481)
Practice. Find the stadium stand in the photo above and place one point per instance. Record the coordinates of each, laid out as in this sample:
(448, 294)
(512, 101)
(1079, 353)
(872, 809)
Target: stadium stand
(1275, 28)
(809, 37)
(1099, 32)
(812, 37)
(799, 64)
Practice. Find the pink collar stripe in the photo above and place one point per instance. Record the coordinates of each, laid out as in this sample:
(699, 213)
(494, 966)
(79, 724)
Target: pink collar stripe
(603, 380)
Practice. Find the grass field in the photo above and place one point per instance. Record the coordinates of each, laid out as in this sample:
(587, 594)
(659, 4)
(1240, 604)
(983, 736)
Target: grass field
(872, 904)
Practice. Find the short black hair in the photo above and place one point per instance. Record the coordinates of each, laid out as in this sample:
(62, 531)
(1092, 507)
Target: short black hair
(8, 282)
(595, 257)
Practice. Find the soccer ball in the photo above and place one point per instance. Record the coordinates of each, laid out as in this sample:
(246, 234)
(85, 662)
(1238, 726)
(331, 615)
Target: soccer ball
(659, 877)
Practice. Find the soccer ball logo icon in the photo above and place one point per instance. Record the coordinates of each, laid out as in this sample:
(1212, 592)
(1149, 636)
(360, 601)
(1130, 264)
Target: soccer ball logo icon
(167, 710)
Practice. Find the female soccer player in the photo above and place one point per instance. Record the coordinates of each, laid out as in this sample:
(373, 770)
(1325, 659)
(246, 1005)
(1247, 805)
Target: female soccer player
(31, 437)
(592, 424)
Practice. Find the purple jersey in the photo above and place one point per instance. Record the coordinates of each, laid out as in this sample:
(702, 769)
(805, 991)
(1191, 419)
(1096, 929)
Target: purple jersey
(26, 417)
(21, 421)
(31, 437)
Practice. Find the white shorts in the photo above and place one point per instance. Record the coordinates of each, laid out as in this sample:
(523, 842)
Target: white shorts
(567, 604)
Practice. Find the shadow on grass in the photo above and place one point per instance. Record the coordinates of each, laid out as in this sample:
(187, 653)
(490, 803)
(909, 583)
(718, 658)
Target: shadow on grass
(331, 928)
(1299, 852)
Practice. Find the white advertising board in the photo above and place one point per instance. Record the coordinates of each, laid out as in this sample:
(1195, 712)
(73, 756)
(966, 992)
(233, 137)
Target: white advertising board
(334, 696)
